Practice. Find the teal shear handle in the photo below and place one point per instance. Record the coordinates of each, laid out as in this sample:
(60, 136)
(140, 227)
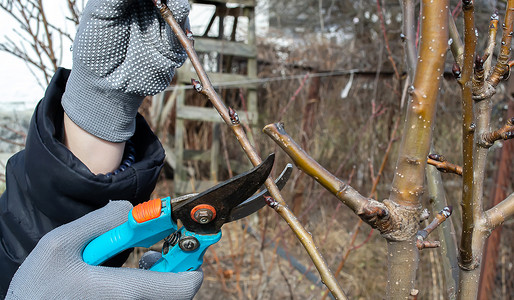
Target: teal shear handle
(147, 224)
(188, 254)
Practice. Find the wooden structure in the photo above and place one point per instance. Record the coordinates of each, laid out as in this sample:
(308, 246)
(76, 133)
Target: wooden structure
(226, 46)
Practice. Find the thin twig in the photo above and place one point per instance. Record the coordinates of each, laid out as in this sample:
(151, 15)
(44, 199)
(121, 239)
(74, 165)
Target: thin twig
(12, 142)
(505, 133)
(232, 121)
(421, 236)
(491, 42)
(18, 132)
(293, 98)
(455, 42)
(443, 165)
(382, 26)
(501, 69)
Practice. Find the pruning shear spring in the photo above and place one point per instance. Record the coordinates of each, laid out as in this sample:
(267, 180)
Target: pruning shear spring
(202, 216)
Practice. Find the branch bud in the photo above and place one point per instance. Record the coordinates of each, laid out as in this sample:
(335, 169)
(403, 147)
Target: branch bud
(197, 85)
(456, 71)
(190, 36)
(467, 4)
(271, 202)
(479, 62)
(233, 116)
(437, 157)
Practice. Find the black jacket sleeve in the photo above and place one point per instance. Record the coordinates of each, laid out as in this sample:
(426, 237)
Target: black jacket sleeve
(47, 186)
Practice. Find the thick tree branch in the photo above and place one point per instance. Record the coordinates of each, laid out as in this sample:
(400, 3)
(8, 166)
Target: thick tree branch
(407, 186)
(475, 229)
(468, 128)
(408, 181)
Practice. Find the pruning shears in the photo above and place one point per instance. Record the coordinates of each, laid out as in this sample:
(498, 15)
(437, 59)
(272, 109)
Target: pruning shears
(202, 216)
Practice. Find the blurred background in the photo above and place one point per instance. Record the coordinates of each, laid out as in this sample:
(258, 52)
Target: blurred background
(333, 71)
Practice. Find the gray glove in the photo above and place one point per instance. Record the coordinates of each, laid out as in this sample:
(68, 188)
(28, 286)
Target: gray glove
(55, 269)
(122, 52)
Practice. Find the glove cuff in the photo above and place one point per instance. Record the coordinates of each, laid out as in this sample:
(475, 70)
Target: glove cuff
(94, 105)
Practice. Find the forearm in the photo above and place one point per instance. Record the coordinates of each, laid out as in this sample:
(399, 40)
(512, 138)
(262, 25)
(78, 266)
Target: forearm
(99, 156)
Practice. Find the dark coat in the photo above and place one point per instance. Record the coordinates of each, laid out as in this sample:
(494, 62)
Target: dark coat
(47, 186)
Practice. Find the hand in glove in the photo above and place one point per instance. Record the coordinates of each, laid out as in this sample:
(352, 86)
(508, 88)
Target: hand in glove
(55, 269)
(123, 51)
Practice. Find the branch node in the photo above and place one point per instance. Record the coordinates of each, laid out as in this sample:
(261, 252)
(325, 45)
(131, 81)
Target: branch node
(402, 222)
(470, 265)
(427, 244)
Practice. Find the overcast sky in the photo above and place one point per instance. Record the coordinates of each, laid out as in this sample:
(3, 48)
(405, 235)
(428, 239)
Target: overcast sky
(17, 83)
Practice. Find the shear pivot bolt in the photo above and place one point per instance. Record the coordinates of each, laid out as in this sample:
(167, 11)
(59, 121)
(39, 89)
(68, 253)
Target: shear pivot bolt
(203, 213)
(188, 243)
(203, 216)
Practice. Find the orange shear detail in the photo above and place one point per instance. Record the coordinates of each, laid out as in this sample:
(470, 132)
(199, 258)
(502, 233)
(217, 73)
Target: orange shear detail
(148, 210)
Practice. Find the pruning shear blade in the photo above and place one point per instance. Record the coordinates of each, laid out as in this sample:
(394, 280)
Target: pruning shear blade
(256, 202)
(222, 198)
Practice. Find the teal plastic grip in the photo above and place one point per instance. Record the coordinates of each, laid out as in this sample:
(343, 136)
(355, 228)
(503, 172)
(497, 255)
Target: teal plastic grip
(130, 234)
(178, 260)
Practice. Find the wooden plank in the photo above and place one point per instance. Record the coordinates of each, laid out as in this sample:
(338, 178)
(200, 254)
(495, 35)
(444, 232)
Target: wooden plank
(234, 80)
(197, 155)
(198, 113)
(179, 172)
(210, 114)
(171, 158)
(241, 2)
(207, 45)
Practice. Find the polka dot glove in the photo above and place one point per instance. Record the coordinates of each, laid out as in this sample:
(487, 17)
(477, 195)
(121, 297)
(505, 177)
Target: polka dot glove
(123, 51)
